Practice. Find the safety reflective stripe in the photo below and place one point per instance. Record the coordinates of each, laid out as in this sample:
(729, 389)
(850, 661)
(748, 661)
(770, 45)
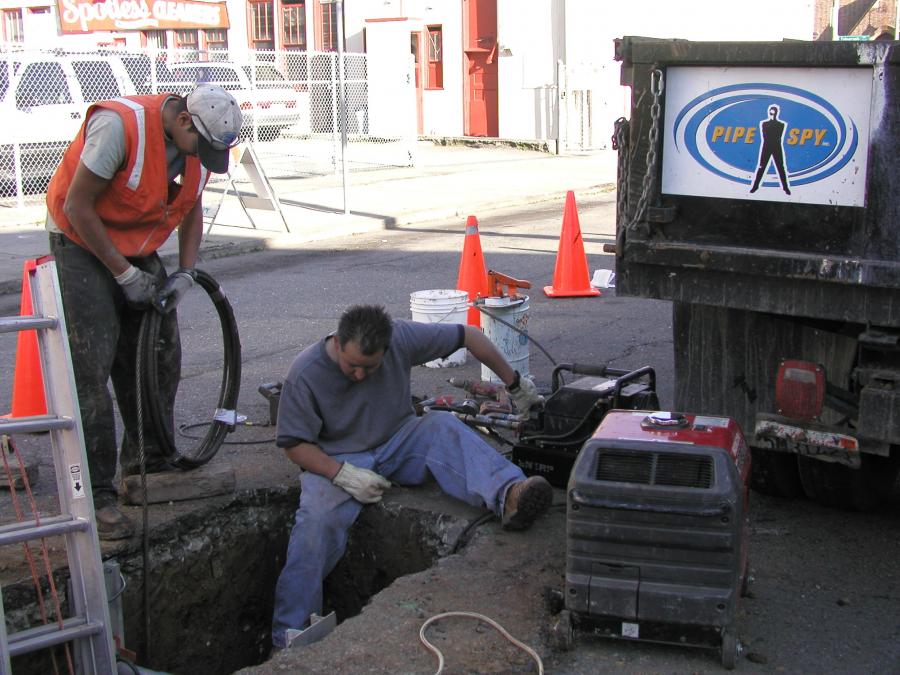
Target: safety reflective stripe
(141, 114)
(204, 172)
(471, 229)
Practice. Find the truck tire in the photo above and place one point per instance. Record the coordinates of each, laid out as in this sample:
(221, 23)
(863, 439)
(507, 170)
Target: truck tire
(840, 486)
(775, 473)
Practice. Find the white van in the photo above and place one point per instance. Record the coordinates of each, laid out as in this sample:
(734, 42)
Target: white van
(269, 101)
(43, 99)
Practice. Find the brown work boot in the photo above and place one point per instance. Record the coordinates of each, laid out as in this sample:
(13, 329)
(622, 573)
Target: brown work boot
(525, 501)
(113, 524)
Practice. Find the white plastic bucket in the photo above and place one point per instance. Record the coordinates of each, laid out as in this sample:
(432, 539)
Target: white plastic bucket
(441, 306)
(512, 342)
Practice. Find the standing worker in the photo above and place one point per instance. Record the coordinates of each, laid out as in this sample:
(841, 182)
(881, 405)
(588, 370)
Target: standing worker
(346, 418)
(135, 172)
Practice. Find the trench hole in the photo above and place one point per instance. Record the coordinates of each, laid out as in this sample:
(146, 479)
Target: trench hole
(213, 575)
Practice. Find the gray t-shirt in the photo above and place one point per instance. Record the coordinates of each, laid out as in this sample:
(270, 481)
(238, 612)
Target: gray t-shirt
(321, 405)
(104, 149)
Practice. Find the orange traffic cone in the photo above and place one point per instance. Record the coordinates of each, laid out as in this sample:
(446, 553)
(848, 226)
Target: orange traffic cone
(28, 382)
(472, 270)
(570, 279)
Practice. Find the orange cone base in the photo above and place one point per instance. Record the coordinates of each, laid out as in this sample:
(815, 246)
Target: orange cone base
(585, 293)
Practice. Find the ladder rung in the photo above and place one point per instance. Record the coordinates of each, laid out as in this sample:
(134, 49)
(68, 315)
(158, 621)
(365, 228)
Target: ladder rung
(41, 637)
(28, 530)
(11, 324)
(89, 630)
(34, 424)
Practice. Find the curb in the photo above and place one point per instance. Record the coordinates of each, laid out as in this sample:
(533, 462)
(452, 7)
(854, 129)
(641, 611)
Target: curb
(214, 250)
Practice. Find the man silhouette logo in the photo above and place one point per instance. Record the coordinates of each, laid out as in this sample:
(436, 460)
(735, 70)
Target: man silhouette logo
(772, 131)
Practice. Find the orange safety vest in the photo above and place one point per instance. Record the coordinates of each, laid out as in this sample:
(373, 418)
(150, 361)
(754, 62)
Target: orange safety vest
(135, 206)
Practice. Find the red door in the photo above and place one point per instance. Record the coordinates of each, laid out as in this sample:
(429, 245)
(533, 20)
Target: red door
(481, 68)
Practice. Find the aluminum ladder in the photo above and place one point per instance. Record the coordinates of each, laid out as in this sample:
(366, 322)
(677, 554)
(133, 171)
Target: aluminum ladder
(88, 627)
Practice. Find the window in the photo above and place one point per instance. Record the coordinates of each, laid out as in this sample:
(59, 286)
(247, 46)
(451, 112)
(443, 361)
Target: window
(187, 42)
(216, 40)
(5, 68)
(293, 24)
(43, 83)
(221, 76)
(13, 30)
(262, 24)
(435, 77)
(97, 80)
(156, 39)
(327, 27)
(186, 39)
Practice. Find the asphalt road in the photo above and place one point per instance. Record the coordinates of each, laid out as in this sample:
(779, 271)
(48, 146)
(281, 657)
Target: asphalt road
(826, 591)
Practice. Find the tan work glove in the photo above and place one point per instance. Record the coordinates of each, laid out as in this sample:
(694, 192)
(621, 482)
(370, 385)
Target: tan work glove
(361, 484)
(523, 394)
(138, 286)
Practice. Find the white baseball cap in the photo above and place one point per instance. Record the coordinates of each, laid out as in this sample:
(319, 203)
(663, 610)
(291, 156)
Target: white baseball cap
(217, 117)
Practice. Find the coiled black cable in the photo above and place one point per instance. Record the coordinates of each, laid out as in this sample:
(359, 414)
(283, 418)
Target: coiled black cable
(154, 403)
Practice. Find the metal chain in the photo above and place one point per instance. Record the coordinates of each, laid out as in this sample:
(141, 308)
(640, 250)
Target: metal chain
(620, 144)
(657, 85)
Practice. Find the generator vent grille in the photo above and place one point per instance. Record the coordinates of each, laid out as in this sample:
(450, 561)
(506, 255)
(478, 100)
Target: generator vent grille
(656, 468)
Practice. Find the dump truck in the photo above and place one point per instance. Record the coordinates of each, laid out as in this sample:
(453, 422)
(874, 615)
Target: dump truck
(758, 189)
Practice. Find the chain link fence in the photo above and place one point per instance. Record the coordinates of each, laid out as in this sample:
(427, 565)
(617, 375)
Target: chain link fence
(290, 100)
(586, 113)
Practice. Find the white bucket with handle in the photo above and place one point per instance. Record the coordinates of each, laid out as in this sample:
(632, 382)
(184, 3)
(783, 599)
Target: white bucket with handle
(441, 306)
(505, 323)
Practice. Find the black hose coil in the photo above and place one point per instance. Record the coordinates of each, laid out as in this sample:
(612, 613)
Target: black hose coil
(228, 394)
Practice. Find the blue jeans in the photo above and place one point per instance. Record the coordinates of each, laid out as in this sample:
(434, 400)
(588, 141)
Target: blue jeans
(463, 465)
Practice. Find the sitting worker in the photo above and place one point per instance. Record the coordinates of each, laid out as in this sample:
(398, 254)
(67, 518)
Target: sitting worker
(135, 172)
(346, 418)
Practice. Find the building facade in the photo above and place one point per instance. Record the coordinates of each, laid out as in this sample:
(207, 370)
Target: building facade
(518, 69)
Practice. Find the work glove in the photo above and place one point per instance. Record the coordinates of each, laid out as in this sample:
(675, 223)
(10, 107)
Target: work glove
(523, 394)
(138, 286)
(363, 485)
(178, 283)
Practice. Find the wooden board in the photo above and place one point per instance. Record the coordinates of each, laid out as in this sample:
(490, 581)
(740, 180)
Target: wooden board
(174, 486)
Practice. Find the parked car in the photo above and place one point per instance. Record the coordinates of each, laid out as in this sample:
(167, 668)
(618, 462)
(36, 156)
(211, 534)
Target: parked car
(267, 99)
(146, 73)
(43, 99)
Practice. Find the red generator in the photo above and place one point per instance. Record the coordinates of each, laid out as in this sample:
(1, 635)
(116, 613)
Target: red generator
(657, 530)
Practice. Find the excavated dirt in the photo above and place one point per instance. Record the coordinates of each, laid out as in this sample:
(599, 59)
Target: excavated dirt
(503, 575)
(213, 574)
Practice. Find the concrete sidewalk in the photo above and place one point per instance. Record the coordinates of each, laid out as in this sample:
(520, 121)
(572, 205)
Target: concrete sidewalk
(448, 182)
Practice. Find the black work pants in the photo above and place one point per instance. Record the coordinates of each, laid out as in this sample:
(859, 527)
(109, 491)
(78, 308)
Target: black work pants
(103, 335)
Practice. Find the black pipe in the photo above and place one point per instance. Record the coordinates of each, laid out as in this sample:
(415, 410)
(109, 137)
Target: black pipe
(228, 394)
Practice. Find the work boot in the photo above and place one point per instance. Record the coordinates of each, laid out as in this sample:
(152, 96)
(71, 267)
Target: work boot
(525, 501)
(113, 524)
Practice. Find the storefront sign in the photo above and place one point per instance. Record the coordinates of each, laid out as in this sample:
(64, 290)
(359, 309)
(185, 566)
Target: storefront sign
(770, 134)
(85, 16)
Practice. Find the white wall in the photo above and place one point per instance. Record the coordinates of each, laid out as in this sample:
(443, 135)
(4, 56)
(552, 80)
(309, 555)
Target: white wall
(534, 34)
(592, 27)
(442, 108)
(530, 42)
(392, 104)
(593, 24)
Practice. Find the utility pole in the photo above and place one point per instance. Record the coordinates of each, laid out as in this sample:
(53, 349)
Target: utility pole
(342, 94)
(342, 100)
